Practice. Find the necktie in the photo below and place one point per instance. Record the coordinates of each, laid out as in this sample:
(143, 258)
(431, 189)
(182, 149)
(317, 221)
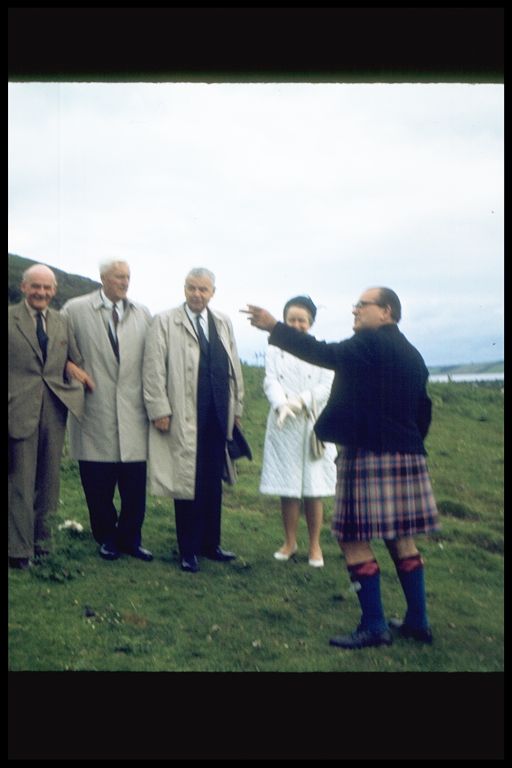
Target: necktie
(41, 334)
(113, 338)
(203, 342)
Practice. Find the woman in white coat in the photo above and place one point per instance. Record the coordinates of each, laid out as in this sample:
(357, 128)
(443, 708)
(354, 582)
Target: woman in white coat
(296, 391)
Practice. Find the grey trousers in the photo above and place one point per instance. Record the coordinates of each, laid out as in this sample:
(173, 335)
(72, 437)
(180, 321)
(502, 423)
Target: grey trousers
(34, 478)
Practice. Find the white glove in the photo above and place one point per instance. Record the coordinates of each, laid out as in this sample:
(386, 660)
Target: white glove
(284, 412)
(296, 404)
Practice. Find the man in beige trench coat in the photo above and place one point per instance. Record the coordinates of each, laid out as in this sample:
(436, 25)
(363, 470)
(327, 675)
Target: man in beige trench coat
(193, 390)
(40, 395)
(110, 443)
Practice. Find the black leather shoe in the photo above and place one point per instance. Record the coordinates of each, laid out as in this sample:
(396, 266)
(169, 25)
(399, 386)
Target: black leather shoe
(140, 553)
(109, 554)
(20, 563)
(416, 633)
(190, 564)
(219, 554)
(362, 638)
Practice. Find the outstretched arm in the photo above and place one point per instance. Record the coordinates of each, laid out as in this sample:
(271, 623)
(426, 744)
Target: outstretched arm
(260, 318)
(302, 345)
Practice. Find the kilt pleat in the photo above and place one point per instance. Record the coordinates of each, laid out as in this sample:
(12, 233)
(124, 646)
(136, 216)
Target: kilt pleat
(382, 496)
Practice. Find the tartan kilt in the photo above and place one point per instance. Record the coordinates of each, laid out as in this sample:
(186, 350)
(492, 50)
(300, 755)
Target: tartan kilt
(382, 496)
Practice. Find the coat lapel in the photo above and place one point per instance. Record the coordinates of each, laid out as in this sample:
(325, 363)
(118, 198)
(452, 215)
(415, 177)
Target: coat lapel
(182, 318)
(28, 329)
(222, 338)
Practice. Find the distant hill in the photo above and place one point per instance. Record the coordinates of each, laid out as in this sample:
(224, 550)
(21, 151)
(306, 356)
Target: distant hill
(69, 286)
(496, 367)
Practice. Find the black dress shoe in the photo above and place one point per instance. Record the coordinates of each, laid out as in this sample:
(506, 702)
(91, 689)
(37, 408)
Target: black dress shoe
(190, 564)
(20, 563)
(140, 553)
(219, 554)
(362, 638)
(422, 635)
(107, 553)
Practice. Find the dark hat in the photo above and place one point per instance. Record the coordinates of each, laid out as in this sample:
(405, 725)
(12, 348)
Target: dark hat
(238, 446)
(301, 301)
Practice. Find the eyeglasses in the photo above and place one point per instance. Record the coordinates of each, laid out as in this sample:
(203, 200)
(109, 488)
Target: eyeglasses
(361, 304)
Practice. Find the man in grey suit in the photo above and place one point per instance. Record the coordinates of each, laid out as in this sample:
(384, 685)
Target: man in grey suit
(40, 395)
(110, 442)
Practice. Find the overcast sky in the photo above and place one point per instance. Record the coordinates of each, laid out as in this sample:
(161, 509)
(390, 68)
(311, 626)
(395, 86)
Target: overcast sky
(279, 189)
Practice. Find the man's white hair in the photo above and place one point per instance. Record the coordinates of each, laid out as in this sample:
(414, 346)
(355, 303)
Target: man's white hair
(107, 264)
(201, 272)
(26, 275)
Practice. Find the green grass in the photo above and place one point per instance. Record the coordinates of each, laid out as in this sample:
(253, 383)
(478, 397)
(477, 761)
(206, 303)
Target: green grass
(78, 612)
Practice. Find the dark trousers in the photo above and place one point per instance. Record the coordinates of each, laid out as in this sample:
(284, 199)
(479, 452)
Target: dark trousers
(99, 480)
(198, 521)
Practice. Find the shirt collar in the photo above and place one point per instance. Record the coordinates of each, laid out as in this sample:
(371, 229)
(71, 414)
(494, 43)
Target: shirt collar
(108, 303)
(193, 315)
(35, 312)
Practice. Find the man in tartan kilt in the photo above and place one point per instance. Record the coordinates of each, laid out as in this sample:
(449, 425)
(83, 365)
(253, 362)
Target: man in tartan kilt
(379, 414)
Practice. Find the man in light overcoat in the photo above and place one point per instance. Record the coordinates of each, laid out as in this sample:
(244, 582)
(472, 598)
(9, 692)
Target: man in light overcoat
(193, 390)
(110, 442)
(40, 393)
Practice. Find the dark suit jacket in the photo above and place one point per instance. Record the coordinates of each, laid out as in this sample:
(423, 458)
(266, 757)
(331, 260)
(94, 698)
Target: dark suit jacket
(28, 375)
(218, 371)
(378, 399)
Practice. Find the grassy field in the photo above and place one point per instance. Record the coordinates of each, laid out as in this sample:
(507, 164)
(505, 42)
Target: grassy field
(78, 612)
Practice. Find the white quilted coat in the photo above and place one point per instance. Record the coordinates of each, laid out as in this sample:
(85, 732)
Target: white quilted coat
(288, 468)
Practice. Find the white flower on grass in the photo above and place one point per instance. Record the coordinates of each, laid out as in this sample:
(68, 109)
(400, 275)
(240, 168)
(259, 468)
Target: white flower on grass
(71, 525)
